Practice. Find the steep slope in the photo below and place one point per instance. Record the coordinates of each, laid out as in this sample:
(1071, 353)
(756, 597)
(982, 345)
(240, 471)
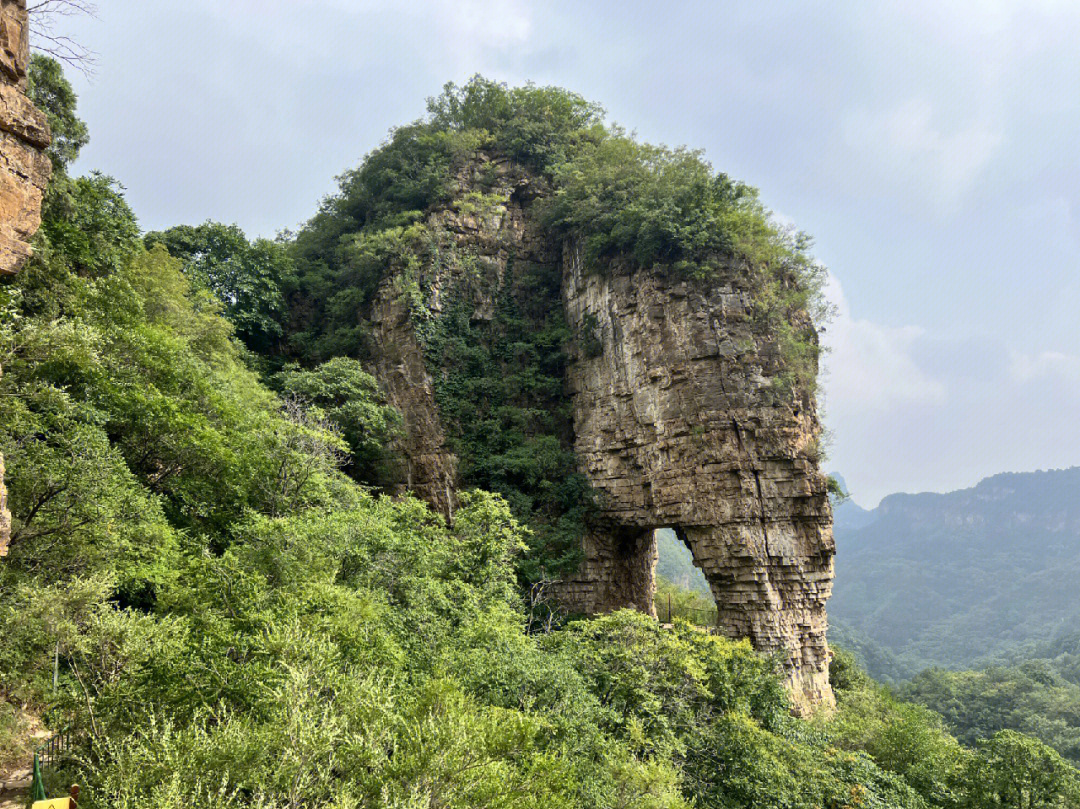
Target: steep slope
(954, 579)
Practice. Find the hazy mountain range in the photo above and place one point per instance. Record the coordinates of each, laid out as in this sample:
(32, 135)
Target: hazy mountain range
(959, 579)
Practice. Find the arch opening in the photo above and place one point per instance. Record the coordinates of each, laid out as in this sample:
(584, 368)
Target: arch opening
(682, 591)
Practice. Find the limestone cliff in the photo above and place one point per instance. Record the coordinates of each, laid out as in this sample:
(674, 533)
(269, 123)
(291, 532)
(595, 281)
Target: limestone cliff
(24, 167)
(676, 422)
(678, 425)
(24, 134)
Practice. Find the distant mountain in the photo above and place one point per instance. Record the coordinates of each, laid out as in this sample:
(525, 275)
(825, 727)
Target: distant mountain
(959, 579)
(849, 515)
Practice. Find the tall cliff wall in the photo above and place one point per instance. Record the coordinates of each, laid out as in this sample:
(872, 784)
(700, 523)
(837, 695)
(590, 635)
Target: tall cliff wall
(24, 167)
(24, 134)
(676, 422)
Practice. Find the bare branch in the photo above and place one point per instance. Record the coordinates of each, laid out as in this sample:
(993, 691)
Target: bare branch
(44, 15)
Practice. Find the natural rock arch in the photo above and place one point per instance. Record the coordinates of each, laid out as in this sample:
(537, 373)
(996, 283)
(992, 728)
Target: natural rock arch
(676, 422)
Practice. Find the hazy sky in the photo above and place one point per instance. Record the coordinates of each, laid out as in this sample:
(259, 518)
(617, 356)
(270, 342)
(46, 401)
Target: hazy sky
(930, 147)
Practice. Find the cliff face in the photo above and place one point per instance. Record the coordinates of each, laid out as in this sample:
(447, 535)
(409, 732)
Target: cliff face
(676, 423)
(24, 134)
(24, 167)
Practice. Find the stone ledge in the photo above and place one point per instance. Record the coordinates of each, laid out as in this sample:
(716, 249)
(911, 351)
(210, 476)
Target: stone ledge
(22, 119)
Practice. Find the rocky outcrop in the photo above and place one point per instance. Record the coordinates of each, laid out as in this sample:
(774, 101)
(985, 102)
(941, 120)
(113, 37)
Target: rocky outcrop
(677, 423)
(24, 134)
(430, 468)
(24, 167)
(489, 234)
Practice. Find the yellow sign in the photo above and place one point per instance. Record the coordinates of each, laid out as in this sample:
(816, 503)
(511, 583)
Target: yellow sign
(55, 803)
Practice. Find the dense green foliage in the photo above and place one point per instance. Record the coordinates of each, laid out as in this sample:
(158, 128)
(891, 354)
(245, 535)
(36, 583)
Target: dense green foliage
(1030, 697)
(984, 575)
(499, 390)
(1007, 769)
(675, 601)
(626, 200)
(53, 95)
(238, 623)
(880, 662)
(349, 399)
(245, 276)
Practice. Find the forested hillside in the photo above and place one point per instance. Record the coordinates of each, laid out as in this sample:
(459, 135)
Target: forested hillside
(963, 578)
(983, 579)
(236, 618)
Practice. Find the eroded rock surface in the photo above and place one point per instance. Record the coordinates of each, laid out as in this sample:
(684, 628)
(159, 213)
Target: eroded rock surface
(676, 422)
(24, 134)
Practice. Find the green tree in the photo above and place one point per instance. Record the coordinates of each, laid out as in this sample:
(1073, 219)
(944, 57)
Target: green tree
(1031, 697)
(1016, 771)
(246, 276)
(51, 93)
(351, 399)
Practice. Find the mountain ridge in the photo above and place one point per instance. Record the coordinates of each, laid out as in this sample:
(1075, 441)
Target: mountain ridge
(967, 576)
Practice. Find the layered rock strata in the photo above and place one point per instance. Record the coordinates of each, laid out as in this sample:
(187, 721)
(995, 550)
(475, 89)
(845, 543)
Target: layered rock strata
(24, 134)
(677, 422)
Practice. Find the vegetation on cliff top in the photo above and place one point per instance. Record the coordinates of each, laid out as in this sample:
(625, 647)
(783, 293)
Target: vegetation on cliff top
(653, 206)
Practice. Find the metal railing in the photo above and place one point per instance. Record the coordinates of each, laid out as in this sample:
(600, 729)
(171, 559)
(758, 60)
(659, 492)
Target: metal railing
(708, 611)
(46, 757)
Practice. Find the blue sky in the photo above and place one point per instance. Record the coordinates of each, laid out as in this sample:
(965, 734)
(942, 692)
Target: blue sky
(931, 148)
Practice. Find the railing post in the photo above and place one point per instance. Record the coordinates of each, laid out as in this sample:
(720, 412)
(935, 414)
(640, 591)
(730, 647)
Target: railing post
(37, 788)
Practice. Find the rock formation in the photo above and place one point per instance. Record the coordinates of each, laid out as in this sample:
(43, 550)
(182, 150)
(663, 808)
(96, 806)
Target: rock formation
(24, 167)
(676, 423)
(24, 134)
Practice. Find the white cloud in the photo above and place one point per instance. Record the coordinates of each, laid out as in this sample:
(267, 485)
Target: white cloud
(871, 366)
(476, 30)
(903, 146)
(915, 411)
(1025, 368)
(459, 34)
(495, 23)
